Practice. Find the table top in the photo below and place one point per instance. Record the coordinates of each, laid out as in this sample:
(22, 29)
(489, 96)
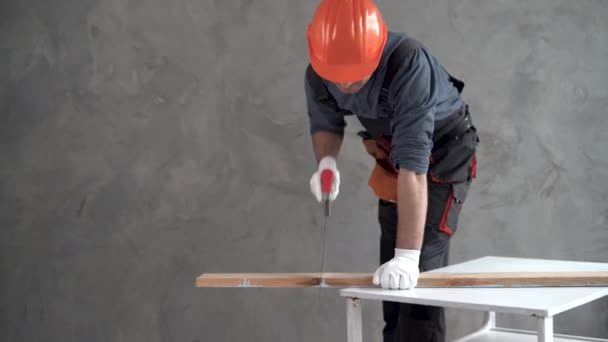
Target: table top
(541, 301)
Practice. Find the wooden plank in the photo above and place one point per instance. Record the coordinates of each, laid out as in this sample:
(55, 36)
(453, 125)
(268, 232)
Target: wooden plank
(283, 279)
(516, 279)
(507, 279)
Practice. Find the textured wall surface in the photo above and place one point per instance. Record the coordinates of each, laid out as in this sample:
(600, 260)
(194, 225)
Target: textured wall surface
(143, 142)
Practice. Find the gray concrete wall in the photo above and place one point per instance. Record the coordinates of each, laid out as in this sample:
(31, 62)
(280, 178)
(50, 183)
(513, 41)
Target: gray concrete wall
(145, 142)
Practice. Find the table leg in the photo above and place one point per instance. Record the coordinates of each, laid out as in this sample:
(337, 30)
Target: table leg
(489, 323)
(353, 320)
(489, 320)
(545, 329)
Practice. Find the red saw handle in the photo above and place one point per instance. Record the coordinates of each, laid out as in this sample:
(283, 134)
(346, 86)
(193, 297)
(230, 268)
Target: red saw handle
(327, 179)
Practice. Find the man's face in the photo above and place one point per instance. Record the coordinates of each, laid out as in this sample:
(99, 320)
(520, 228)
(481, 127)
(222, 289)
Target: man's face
(351, 87)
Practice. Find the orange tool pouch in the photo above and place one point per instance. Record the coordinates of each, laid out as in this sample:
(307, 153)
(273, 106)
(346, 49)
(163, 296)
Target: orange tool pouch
(383, 179)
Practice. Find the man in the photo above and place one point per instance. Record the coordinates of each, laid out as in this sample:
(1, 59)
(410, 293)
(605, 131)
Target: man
(418, 129)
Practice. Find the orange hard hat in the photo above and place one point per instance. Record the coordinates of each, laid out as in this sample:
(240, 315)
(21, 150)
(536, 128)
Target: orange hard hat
(346, 39)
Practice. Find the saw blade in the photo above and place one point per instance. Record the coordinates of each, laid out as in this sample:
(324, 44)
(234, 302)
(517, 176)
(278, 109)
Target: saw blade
(327, 181)
(323, 249)
(323, 244)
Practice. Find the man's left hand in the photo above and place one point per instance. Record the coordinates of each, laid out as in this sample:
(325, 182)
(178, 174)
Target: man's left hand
(399, 273)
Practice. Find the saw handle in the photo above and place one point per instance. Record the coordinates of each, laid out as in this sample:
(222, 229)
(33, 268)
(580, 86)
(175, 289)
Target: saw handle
(327, 179)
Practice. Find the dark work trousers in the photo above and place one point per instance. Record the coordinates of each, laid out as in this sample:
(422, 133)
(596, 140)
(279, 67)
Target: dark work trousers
(452, 169)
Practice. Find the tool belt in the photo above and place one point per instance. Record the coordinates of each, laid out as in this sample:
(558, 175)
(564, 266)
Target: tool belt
(383, 179)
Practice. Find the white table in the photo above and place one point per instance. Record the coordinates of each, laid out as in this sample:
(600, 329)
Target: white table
(542, 303)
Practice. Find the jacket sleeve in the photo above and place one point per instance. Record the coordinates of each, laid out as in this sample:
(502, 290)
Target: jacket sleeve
(414, 96)
(322, 117)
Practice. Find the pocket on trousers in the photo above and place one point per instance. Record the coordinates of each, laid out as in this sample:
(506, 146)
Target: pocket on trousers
(456, 160)
(453, 166)
(451, 212)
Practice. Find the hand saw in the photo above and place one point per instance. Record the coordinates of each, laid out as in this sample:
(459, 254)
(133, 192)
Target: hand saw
(327, 180)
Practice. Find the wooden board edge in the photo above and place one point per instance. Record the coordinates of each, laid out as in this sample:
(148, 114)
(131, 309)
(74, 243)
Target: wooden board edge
(425, 280)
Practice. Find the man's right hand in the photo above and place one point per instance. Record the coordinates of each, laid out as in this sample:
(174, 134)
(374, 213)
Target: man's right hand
(327, 162)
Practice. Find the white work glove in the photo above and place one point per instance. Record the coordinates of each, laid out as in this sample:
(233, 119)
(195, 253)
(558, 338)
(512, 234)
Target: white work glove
(327, 162)
(399, 273)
